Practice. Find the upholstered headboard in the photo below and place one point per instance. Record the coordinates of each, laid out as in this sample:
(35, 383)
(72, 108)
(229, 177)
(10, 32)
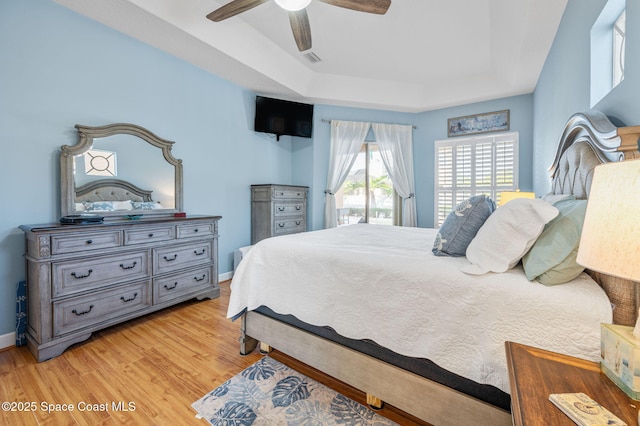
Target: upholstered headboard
(590, 139)
(111, 190)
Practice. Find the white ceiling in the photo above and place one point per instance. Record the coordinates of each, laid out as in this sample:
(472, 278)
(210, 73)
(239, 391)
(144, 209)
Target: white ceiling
(421, 55)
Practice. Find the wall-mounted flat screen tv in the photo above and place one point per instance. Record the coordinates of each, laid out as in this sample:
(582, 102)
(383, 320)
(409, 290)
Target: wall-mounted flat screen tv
(281, 117)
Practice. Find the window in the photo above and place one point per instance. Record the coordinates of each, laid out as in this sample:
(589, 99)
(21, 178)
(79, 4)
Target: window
(367, 194)
(465, 167)
(608, 50)
(619, 28)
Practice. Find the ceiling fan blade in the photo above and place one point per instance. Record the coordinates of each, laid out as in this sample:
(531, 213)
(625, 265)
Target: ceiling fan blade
(379, 7)
(233, 8)
(301, 29)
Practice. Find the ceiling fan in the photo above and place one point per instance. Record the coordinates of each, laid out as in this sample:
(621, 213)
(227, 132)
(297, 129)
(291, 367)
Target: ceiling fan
(297, 13)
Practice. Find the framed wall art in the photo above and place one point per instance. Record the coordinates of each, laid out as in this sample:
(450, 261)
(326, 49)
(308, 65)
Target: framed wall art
(497, 121)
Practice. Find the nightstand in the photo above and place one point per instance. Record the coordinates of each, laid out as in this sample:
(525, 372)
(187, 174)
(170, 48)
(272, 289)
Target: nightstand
(534, 374)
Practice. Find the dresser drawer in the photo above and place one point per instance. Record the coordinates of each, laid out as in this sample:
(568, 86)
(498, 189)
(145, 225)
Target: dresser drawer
(95, 272)
(149, 235)
(195, 230)
(289, 193)
(288, 209)
(84, 311)
(168, 259)
(177, 285)
(72, 243)
(290, 226)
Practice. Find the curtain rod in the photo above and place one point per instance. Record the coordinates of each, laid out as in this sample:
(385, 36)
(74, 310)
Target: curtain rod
(324, 120)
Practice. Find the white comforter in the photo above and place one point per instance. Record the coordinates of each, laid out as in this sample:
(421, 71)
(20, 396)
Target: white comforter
(383, 283)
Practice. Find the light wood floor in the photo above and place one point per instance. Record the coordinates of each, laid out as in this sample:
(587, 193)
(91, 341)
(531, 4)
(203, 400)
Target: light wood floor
(155, 366)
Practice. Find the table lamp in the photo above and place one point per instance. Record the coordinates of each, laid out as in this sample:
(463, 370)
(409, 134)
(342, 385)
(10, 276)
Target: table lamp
(506, 196)
(610, 244)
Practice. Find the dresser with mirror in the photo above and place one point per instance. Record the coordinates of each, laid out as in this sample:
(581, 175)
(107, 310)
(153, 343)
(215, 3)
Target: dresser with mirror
(127, 250)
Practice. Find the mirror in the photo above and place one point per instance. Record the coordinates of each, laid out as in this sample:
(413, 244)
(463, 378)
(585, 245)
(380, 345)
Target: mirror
(120, 170)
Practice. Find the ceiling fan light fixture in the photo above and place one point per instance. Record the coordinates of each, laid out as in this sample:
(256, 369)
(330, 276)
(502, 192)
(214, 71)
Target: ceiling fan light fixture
(293, 5)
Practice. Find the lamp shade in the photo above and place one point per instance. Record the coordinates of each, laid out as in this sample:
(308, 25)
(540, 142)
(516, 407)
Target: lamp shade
(610, 241)
(506, 196)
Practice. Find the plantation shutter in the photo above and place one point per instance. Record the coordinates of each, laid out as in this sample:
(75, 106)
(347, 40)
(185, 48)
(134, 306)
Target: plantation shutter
(465, 167)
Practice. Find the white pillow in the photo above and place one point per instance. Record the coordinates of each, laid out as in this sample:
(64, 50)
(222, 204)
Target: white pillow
(507, 235)
(122, 205)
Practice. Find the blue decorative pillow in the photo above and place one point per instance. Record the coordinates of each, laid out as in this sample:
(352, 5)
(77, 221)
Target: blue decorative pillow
(462, 225)
(102, 206)
(144, 205)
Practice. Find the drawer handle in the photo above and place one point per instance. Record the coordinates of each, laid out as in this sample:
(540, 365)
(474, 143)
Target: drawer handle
(171, 288)
(298, 208)
(150, 235)
(79, 277)
(83, 312)
(200, 279)
(201, 253)
(195, 230)
(280, 209)
(175, 256)
(281, 225)
(129, 300)
(298, 222)
(89, 241)
(129, 267)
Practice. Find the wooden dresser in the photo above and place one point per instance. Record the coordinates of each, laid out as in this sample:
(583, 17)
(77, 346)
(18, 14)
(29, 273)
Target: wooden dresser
(82, 278)
(277, 210)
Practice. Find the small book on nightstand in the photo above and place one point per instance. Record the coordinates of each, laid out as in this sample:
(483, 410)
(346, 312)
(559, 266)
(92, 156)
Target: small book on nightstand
(583, 410)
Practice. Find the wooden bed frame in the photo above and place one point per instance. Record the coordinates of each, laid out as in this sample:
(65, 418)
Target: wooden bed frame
(588, 140)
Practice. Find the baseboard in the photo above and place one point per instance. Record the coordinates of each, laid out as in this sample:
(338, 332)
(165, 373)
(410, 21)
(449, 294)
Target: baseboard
(226, 276)
(7, 340)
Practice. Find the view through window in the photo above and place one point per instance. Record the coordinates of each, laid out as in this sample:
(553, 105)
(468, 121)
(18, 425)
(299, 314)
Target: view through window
(367, 194)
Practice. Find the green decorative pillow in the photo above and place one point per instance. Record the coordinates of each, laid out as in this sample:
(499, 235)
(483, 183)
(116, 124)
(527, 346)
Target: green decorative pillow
(552, 259)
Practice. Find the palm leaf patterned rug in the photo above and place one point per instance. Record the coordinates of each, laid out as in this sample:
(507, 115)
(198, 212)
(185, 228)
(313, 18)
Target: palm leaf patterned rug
(270, 393)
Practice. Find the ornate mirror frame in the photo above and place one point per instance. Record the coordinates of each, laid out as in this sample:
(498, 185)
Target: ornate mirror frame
(87, 134)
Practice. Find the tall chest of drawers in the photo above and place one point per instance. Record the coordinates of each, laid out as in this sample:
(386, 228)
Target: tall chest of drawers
(277, 210)
(82, 278)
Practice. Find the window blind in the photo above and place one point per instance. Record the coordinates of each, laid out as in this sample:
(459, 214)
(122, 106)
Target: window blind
(464, 167)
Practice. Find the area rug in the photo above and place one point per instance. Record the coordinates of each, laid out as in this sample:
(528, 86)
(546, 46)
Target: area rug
(270, 393)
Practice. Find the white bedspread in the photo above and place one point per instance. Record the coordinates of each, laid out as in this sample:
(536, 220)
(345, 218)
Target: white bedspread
(383, 283)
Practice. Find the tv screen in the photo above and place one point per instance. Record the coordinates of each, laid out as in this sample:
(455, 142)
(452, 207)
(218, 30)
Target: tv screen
(281, 117)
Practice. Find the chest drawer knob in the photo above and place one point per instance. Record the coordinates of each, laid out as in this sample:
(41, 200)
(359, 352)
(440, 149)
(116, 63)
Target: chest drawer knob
(298, 208)
(133, 265)
(150, 235)
(201, 278)
(200, 253)
(89, 241)
(129, 299)
(175, 284)
(280, 209)
(83, 312)
(281, 224)
(81, 276)
(175, 256)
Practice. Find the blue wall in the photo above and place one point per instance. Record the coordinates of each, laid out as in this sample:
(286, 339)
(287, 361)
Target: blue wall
(60, 69)
(563, 87)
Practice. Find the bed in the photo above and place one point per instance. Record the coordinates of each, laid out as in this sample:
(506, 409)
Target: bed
(113, 195)
(414, 329)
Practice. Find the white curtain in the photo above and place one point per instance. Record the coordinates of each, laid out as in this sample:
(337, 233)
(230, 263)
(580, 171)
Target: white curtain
(347, 138)
(396, 149)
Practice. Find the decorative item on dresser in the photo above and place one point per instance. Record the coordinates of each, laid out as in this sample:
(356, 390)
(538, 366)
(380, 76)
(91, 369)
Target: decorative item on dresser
(277, 210)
